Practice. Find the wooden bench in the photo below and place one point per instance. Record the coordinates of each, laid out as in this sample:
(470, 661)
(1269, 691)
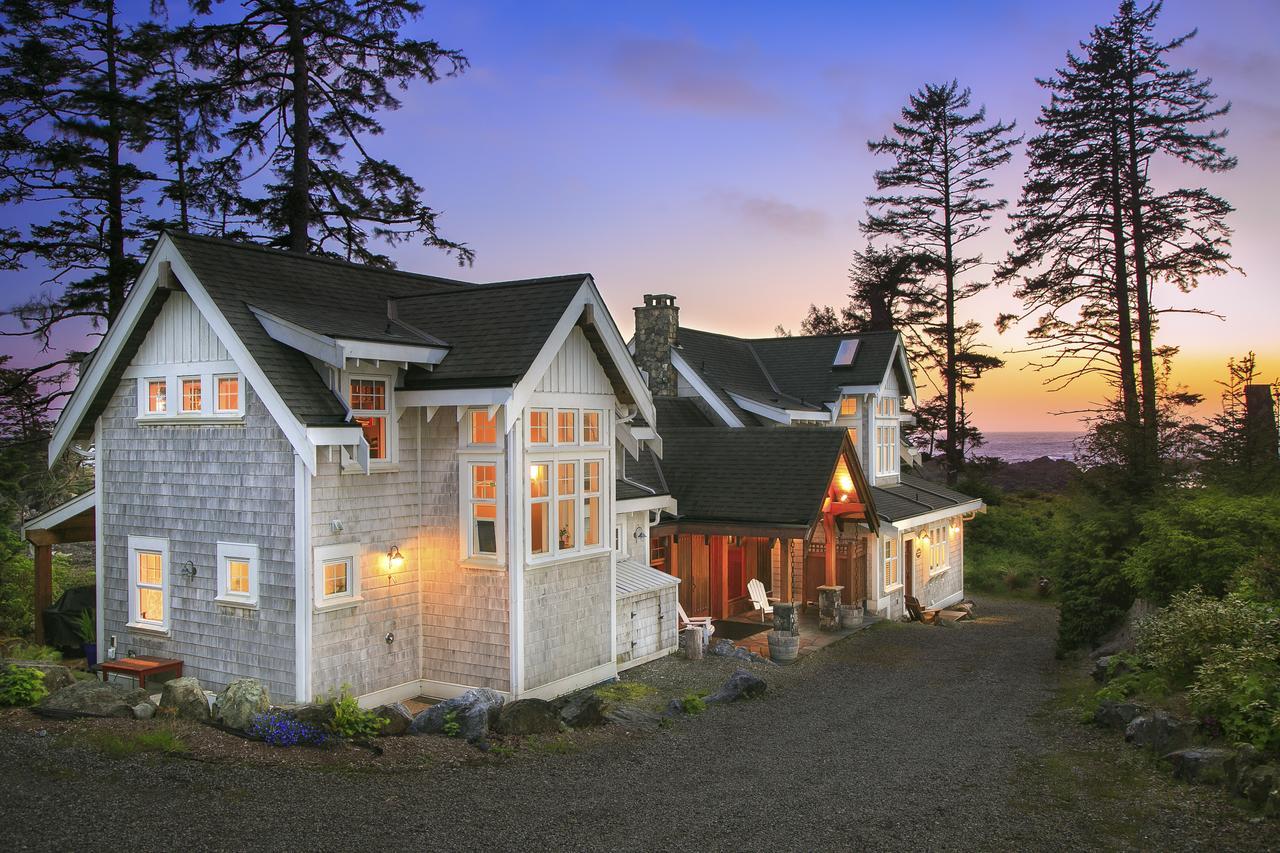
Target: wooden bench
(141, 668)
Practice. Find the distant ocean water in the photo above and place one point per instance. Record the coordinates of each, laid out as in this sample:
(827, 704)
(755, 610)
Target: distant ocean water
(1024, 446)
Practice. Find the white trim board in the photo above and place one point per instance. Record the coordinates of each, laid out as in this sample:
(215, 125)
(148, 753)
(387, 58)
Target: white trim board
(779, 415)
(64, 512)
(568, 684)
(904, 525)
(652, 656)
(704, 390)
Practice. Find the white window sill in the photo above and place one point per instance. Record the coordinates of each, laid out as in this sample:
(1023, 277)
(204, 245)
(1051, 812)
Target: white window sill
(933, 573)
(190, 420)
(894, 588)
(482, 564)
(236, 602)
(566, 556)
(151, 630)
(344, 604)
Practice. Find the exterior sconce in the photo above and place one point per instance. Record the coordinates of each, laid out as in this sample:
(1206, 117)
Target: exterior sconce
(188, 569)
(639, 535)
(845, 482)
(395, 560)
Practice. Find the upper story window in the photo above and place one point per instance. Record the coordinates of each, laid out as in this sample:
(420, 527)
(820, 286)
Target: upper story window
(566, 426)
(886, 449)
(566, 486)
(591, 427)
(484, 427)
(887, 407)
(157, 397)
(540, 426)
(178, 397)
(370, 409)
(848, 407)
(192, 394)
(228, 390)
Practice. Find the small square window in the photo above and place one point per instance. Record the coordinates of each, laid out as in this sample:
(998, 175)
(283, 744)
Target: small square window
(540, 426)
(237, 574)
(192, 394)
(337, 576)
(484, 429)
(566, 427)
(848, 407)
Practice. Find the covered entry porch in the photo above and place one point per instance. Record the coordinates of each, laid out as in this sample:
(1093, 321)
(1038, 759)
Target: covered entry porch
(73, 521)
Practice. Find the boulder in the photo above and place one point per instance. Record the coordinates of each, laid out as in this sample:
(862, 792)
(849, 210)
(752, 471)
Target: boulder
(741, 685)
(1102, 668)
(474, 711)
(241, 701)
(398, 719)
(96, 699)
(56, 676)
(1204, 765)
(1111, 714)
(528, 717)
(582, 710)
(318, 714)
(1159, 732)
(722, 648)
(1122, 638)
(634, 718)
(144, 711)
(1260, 784)
(186, 697)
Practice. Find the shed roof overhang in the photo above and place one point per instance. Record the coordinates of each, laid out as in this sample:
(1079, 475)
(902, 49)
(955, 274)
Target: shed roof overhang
(72, 521)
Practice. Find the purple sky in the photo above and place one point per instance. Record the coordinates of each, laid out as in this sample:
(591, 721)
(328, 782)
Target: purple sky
(719, 153)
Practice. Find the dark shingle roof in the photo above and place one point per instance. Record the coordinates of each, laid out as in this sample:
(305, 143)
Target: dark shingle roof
(762, 476)
(915, 496)
(675, 412)
(642, 477)
(795, 372)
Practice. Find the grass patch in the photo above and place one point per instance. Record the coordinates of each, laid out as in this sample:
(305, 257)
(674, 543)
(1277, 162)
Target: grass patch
(625, 691)
(553, 746)
(158, 742)
(692, 704)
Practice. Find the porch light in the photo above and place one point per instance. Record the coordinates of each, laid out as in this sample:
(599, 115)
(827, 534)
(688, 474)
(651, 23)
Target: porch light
(395, 560)
(845, 482)
(844, 497)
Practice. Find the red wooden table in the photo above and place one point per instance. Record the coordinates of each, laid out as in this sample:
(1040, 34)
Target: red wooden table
(142, 667)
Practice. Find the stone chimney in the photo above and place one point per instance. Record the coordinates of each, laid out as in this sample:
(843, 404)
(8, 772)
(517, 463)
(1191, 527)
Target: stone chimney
(657, 329)
(1261, 439)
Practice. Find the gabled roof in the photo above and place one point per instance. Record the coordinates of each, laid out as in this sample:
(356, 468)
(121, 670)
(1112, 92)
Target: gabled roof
(774, 477)
(794, 374)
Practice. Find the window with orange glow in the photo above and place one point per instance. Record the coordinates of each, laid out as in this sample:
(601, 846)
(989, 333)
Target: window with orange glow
(228, 393)
(848, 407)
(148, 558)
(566, 505)
(567, 426)
(157, 396)
(540, 508)
(192, 394)
(484, 508)
(590, 501)
(590, 427)
(540, 426)
(369, 409)
(890, 547)
(484, 429)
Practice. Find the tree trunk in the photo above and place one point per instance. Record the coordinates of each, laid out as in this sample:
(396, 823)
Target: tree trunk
(116, 262)
(297, 213)
(1124, 316)
(955, 453)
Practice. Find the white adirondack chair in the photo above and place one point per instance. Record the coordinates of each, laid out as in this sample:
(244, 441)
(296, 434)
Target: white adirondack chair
(760, 599)
(703, 622)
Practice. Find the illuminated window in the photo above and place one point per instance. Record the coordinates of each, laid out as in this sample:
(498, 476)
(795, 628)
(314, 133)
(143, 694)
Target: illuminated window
(157, 397)
(192, 394)
(939, 553)
(567, 504)
(886, 449)
(370, 410)
(484, 429)
(658, 552)
(237, 574)
(890, 547)
(590, 501)
(484, 508)
(540, 426)
(853, 439)
(590, 427)
(887, 407)
(848, 407)
(566, 427)
(228, 393)
(539, 508)
(148, 568)
(337, 576)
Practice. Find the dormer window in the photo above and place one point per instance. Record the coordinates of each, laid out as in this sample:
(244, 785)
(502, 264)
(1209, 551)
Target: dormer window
(848, 407)
(845, 353)
(370, 410)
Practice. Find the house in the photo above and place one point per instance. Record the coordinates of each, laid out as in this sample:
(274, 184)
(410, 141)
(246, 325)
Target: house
(895, 533)
(319, 474)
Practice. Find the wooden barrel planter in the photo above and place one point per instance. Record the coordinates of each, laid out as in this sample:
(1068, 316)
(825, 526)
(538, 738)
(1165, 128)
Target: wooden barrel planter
(850, 615)
(783, 648)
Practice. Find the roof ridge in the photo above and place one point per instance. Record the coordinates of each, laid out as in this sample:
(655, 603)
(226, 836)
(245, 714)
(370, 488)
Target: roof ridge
(320, 259)
(501, 285)
(768, 377)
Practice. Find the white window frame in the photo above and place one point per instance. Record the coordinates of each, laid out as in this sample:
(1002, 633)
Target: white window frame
(579, 452)
(183, 379)
(217, 408)
(470, 454)
(172, 377)
(349, 551)
(886, 448)
(388, 413)
(550, 428)
(144, 397)
(939, 549)
(241, 552)
(468, 421)
(469, 551)
(891, 557)
(149, 545)
(851, 401)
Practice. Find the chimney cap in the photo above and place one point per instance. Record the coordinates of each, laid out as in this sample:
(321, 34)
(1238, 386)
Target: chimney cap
(659, 300)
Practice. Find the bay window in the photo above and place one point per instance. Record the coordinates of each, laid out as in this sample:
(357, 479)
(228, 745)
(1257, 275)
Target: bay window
(148, 583)
(540, 426)
(370, 409)
(539, 508)
(590, 427)
(590, 501)
(566, 429)
(566, 505)
(567, 481)
(484, 509)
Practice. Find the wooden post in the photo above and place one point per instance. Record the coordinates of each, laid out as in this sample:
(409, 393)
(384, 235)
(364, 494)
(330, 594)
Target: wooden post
(693, 642)
(829, 527)
(43, 586)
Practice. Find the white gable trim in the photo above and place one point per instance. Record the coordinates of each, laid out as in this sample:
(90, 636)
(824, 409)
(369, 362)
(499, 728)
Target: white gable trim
(900, 355)
(704, 390)
(773, 413)
(586, 299)
(62, 512)
(336, 351)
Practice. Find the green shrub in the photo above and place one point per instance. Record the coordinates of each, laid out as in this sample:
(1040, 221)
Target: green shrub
(1176, 640)
(21, 686)
(31, 651)
(451, 726)
(350, 720)
(86, 627)
(1239, 687)
(17, 582)
(692, 704)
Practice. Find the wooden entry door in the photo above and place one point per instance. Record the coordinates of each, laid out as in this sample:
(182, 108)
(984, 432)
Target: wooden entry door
(909, 566)
(693, 567)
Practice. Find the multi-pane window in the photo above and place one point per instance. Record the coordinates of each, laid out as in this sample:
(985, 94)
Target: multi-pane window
(192, 394)
(369, 409)
(848, 407)
(566, 505)
(148, 566)
(590, 501)
(337, 576)
(939, 553)
(590, 427)
(228, 393)
(237, 574)
(887, 407)
(484, 427)
(566, 426)
(157, 396)
(890, 562)
(540, 426)
(886, 449)
(658, 551)
(484, 508)
(539, 508)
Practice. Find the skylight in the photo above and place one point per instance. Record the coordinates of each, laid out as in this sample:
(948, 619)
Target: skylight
(844, 355)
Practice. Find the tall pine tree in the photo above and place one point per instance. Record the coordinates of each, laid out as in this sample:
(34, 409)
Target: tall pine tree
(933, 201)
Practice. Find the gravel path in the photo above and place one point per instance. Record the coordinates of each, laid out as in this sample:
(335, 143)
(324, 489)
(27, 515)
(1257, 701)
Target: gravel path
(902, 736)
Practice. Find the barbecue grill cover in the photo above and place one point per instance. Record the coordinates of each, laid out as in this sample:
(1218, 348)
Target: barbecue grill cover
(63, 616)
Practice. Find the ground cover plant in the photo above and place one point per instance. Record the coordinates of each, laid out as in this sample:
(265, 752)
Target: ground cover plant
(21, 686)
(278, 728)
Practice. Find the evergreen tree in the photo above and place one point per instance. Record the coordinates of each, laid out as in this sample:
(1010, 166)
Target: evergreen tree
(308, 80)
(933, 201)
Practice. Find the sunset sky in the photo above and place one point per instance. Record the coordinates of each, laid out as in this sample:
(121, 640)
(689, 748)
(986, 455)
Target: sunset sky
(718, 153)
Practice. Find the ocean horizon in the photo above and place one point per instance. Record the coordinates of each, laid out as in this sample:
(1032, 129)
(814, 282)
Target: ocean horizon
(1025, 445)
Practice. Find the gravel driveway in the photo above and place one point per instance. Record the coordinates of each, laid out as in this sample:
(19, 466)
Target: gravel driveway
(904, 736)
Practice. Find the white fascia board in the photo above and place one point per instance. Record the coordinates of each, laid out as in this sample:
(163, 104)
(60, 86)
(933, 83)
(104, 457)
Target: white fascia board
(289, 425)
(437, 397)
(621, 355)
(774, 413)
(855, 390)
(60, 514)
(381, 351)
(903, 525)
(320, 347)
(108, 351)
(704, 390)
(627, 438)
(654, 502)
(343, 435)
(900, 355)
